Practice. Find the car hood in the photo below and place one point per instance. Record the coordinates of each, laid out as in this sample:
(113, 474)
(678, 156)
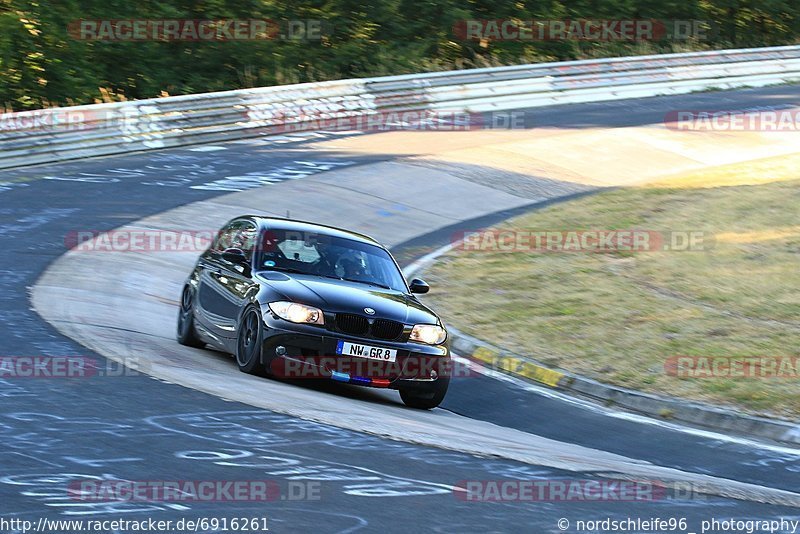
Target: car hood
(351, 297)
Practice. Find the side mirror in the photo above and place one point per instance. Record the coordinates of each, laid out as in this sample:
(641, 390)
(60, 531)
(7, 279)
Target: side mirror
(235, 256)
(419, 286)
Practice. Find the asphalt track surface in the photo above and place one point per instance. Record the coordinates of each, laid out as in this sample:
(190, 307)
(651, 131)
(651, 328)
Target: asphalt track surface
(137, 428)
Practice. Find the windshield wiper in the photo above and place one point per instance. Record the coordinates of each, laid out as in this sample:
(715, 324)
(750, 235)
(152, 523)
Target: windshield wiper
(375, 284)
(286, 270)
(331, 276)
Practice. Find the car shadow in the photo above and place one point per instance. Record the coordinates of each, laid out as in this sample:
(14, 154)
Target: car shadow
(320, 385)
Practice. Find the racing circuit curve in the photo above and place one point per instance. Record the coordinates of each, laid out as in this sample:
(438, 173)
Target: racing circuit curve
(123, 305)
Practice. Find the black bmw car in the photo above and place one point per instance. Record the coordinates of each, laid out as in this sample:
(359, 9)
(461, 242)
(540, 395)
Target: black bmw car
(301, 300)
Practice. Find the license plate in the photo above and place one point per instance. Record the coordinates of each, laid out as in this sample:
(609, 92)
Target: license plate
(345, 348)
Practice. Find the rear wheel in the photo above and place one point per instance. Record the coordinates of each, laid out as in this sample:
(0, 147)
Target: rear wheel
(248, 343)
(425, 399)
(187, 335)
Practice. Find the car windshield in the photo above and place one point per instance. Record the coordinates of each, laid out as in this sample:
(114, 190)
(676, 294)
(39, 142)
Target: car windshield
(330, 257)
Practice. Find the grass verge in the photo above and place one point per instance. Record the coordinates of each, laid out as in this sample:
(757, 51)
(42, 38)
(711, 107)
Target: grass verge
(620, 316)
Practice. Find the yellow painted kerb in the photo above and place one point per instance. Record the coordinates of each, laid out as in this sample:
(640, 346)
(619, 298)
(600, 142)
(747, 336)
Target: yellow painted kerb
(518, 366)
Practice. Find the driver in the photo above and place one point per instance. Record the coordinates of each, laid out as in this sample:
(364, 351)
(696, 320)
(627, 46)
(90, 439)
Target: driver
(353, 267)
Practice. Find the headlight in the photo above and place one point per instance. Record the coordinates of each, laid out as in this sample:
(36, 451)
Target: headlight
(428, 333)
(297, 313)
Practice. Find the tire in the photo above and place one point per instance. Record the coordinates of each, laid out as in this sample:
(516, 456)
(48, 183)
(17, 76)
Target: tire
(426, 399)
(187, 335)
(248, 343)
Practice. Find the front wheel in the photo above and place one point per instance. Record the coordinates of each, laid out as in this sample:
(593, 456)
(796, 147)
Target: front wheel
(425, 399)
(248, 343)
(187, 335)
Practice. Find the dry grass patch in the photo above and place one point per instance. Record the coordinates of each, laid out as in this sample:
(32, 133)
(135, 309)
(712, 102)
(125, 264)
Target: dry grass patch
(619, 316)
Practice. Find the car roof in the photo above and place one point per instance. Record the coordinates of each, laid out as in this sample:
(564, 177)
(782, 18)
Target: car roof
(279, 223)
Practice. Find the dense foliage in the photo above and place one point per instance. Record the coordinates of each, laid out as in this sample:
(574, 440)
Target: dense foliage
(41, 64)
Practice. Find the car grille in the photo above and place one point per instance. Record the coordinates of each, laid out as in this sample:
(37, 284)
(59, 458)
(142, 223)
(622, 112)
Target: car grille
(385, 329)
(350, 323)
(358, 325)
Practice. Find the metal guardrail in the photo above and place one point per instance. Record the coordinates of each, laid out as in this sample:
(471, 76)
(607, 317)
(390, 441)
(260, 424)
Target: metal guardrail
(58, 134)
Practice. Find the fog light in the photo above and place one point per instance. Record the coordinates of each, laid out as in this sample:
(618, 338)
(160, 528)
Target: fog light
(280, 350)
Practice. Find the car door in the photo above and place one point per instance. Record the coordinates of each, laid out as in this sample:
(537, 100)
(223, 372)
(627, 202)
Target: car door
(224, 286)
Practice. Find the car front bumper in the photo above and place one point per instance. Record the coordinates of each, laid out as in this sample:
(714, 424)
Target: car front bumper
(297, 351)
